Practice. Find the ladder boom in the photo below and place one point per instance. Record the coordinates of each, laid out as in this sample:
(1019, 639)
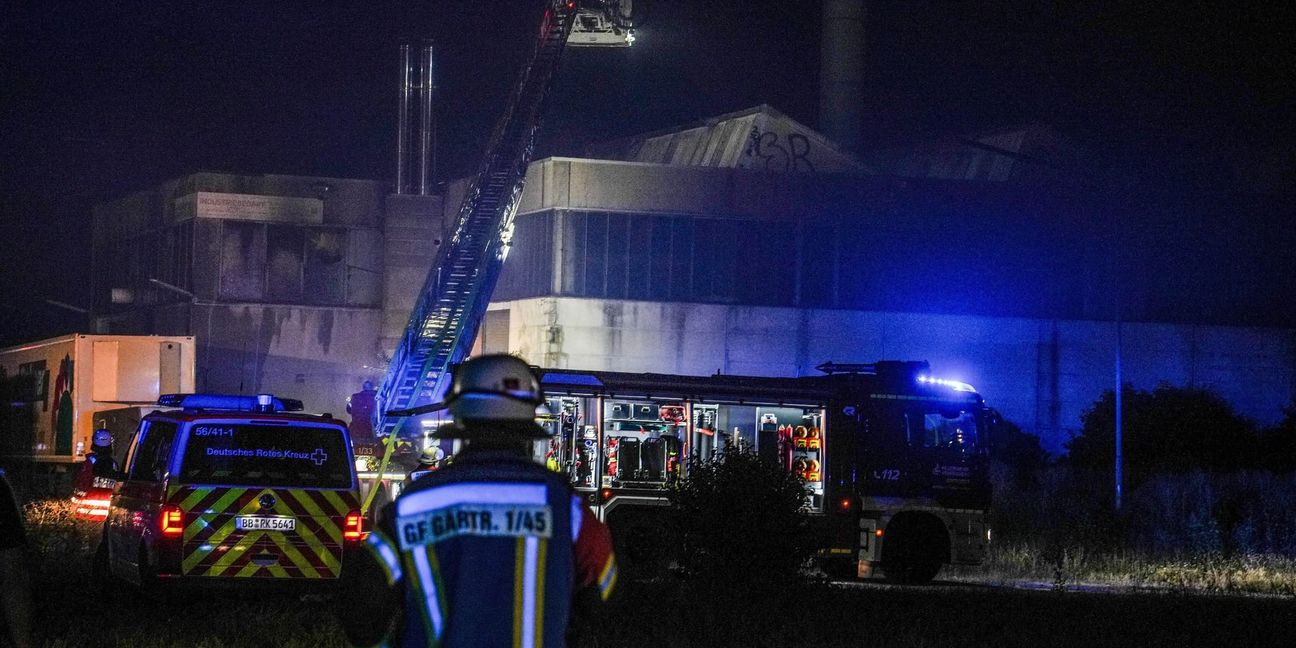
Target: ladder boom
(457, 290)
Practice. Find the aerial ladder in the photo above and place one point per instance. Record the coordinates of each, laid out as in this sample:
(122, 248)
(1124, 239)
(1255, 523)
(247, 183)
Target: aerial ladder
(448, 312)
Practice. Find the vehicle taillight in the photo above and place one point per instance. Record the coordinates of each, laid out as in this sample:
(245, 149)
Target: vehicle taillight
(606, 493)
(172, 521)
(845, 503)
(354, 527)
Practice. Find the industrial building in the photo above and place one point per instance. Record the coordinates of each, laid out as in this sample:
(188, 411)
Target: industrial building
(288, 283)
(746, 243)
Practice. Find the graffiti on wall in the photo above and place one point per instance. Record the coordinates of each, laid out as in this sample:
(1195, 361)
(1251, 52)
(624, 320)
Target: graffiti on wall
(786, 152)
(62, 418)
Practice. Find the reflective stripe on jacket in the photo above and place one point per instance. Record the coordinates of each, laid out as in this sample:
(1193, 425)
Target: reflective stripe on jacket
(487, 552)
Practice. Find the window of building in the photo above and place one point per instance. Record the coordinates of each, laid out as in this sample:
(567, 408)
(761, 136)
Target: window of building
(659, 264)
(639, 256)
(618, 256)
(573, 275)
(681, 259)
(818, 259)
(285, 248)
(243, 261)
(596, 255)
(324, 276)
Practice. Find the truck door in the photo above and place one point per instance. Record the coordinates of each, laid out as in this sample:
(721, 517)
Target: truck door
(887, 465)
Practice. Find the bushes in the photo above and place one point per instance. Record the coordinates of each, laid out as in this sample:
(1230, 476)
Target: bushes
(1225, 531)
(1190, 513)
(740, 524)
(1247, 513)
(1166, 430)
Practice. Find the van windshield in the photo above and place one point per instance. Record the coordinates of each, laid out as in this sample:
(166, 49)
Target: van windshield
(266, 455)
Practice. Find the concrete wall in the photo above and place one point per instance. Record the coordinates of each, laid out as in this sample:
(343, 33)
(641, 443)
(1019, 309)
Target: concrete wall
(568, 183)
(319, 355)
(1042, 374)
(412, 234)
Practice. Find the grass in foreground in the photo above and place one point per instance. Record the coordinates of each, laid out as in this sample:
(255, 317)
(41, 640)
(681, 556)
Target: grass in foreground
(73, 612)
(1207, 573)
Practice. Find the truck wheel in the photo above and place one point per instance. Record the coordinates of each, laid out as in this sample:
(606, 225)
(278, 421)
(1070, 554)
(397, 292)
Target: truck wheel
(912, 553)
(642, 545)
(839, 569)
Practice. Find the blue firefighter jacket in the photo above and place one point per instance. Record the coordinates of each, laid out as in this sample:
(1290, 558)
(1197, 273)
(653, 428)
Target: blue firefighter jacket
(484, 553)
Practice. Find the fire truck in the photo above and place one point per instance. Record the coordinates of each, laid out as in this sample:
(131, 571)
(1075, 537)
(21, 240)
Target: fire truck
(894, 460)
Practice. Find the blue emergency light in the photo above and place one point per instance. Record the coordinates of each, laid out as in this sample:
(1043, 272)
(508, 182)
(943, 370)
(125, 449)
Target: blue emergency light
(952, 384)
(231, 402)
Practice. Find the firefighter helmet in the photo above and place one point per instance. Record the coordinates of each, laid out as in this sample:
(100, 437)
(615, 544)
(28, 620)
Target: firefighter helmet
(431, 457)
(493, 396)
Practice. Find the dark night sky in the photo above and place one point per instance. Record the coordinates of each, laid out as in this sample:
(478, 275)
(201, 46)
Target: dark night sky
(100, 99)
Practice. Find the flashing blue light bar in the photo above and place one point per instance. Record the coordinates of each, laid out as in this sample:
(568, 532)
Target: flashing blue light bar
(231, 402)
(952, 384)
(583, 380)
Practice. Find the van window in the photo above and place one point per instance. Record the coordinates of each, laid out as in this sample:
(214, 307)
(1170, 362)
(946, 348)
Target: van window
(266, 455)
(152, 454)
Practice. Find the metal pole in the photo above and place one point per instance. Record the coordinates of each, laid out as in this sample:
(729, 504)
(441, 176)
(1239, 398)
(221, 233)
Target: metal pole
(1120, 469)
(841, 76)
(1118, 251)
(402, 122)
(425, 122)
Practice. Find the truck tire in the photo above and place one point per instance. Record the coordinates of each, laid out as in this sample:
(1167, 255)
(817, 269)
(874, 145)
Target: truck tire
(642, 543)
(839, 569)
(913, 551)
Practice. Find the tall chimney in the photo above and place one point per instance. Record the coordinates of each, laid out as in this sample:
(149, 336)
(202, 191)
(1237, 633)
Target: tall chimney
(841, 76)
(427, 162)
(402, 122)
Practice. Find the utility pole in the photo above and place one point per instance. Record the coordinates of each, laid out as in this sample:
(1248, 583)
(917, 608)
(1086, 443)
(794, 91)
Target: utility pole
(1119, 432)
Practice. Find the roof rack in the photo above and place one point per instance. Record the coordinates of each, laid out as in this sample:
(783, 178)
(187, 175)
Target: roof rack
(916, 370)
(879, 368)
(231, 402)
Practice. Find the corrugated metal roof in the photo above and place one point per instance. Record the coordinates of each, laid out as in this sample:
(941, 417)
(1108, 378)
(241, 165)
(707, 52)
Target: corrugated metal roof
(757, 138)
(1030, 153)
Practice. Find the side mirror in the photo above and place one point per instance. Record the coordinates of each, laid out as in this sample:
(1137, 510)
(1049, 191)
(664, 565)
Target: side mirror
(995, 421)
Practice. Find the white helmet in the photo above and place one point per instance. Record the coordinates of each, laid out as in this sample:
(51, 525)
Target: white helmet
(432, 455)
(493, 394)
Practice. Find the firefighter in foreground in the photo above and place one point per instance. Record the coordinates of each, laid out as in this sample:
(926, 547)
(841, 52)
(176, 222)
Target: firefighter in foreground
(492, 550)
